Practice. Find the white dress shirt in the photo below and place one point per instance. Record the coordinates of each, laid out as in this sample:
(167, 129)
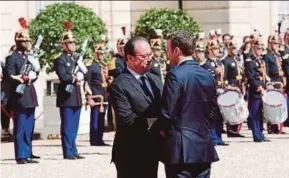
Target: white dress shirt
(185, 58)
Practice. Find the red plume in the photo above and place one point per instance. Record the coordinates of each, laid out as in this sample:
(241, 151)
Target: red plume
(212, 36)
(123, 30)
(68, 25)
(23, 23)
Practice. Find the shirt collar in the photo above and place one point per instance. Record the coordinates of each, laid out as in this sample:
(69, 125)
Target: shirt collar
(185, 58)
(136, 75)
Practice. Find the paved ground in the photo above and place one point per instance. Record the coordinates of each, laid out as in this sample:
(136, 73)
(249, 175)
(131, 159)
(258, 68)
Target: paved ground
(242, 159)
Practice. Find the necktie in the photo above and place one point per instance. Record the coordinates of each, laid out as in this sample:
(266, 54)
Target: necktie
(145, 87)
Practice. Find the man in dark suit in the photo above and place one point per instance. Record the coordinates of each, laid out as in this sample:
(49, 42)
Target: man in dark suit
(21, 74)
(135, 95)
(68, 95)
(188, 105)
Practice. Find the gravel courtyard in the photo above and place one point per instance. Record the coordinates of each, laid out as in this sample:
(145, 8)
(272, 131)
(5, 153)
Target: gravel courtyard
(242, 159)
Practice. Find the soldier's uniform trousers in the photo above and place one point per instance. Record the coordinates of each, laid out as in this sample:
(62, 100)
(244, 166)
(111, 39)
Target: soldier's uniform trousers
(216, 128)
(255, 107)
(24, 120)
(69, 128)
(97, 119)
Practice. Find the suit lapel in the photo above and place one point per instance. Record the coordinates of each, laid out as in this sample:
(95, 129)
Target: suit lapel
(136, 85)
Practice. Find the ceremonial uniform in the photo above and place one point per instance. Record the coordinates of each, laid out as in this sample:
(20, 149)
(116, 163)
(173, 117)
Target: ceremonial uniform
(68, 98)
(255, 79)
(159, 66)
(23, 97)
(233, 78)
(285, 65)
(217, 124)
(98, 85)
(116, 67)
(6, 113)
(274, 71)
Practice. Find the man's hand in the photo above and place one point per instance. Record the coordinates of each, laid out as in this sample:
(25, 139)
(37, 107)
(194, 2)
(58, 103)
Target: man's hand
(260, 89)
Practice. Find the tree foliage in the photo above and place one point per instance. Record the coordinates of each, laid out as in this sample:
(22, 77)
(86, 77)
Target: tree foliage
(168, 20)
(49, 23)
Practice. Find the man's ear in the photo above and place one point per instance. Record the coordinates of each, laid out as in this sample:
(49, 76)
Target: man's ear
(130, 57)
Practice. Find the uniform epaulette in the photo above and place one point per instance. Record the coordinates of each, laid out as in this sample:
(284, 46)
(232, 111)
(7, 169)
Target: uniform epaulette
(111, 64)
(56, 56)
(88, 62)
(286, 56)
(248, 60)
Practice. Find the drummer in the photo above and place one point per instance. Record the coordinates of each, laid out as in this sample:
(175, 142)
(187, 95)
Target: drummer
(256, 74)
(213, 52)
(274, 70)
(233, 80)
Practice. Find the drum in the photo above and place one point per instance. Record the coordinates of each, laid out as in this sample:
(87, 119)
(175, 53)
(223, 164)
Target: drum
(274, 106)
(233, 107)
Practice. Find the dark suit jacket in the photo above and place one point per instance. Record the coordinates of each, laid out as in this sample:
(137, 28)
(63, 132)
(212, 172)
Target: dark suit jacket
(14, 64)
(188, 97)
(133, 142)
(64, 67)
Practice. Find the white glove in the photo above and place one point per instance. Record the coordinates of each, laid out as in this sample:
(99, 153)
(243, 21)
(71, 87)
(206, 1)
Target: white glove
(32, 75)
(79, 76)
(35, 62)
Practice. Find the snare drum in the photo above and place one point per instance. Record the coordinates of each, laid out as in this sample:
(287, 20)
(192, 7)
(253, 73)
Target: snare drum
(274, 106)
(233, 107)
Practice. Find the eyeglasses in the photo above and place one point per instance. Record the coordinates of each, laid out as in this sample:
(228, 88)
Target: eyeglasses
(145, 56)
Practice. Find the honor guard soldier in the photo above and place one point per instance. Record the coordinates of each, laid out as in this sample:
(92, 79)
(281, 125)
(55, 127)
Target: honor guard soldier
(199, 52)
(22, 71)
(284, 50)
(159, 65)
(211, 65)
(68, 94)
(256, 73)
(116, 67)
(275, 73)
(97, 98)
(233, 80)
(119, 61)
(6, 113)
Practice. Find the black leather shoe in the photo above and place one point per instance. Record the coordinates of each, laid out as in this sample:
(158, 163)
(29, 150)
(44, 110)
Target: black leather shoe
(21, 161)
(258, 141)
(266, 140)
(222, 144)
(235, 135)
(70, 158)
(79, 157)
(31, 161)
(100, 144)
(35, 157)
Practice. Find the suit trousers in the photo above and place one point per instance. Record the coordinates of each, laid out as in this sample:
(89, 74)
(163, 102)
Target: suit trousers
(137, 169)
(69, 127)
(24, 120)
(96, 125)
(195, 170)
(256, 120)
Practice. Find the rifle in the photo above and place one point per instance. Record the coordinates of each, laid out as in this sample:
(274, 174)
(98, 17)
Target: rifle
(31, 63)
(79, 67)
